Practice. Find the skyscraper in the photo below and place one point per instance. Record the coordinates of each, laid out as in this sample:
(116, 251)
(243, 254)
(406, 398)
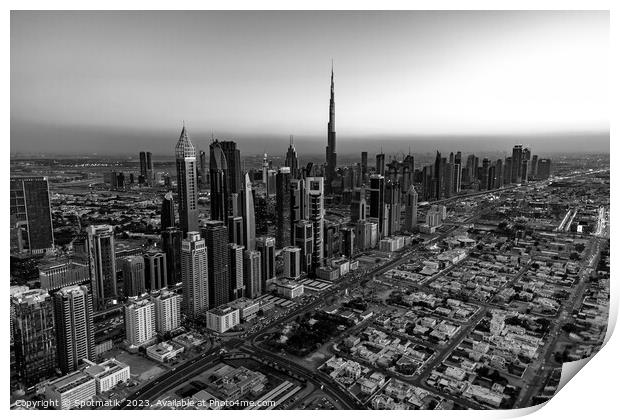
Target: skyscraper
(377, 202)
(304, 240)
(544, 169)
(517, 158)
(292, 161)
(249, 222)
(172, 239)
(132, 268)
(252, 269)
(167, 212)
(30, 217)
(233, 164)
(187, 183)
(292, 262)
(283, 208)
(266, 245)
(314, 190)
(364, 166)
(235, 230)
(296, 202)
(215, 234)
(34, 336)
(98, 248)
(358, 205)
(75, 334)
(195, 275)
(392, 200)
(155, 270)
(330, 150)
(380, 164)
(146, 167)
(235, 269)
(204, 169)
(218, 173)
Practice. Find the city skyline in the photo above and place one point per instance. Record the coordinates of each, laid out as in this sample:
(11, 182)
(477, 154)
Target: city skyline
(481, 78)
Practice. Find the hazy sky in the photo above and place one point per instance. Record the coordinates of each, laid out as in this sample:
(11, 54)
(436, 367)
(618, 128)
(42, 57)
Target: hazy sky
(124, 81)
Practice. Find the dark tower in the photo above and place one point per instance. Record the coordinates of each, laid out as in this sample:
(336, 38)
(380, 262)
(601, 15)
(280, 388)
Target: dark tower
(218, 173)
(167, 212)
(330, 151)
(215, 235)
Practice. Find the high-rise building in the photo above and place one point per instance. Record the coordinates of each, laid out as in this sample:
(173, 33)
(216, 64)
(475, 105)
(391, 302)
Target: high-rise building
(304, 240)
(330, 150)
(215, 234)
(292, 161)
(411, 209)
(507, 170)
(218, 174)
(377, 202)
(380, 164)
(139, 321)
(283, 208)
(203, 169)
(167, 212)
(146, 167)
(249, 222)
(297, 202)
(233, 164)
(98, 248)
(75, 334)
(517, 158)
(167, 310)
(392, 201)
(30, 217)
(132, 268)
(252, 273)
(544, 169)
(171, 245)
(358, 205)
(195, 275)
(348, 241)
(235, 269)
(266, 245)
(314, 202)
(438, 176)
(235, 230)
(534, 167)
(292, 262)
(155, 271)
(34, 336)
(364, 166)
(187, 183)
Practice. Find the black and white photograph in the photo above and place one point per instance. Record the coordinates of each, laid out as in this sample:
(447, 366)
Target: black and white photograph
(306, 209)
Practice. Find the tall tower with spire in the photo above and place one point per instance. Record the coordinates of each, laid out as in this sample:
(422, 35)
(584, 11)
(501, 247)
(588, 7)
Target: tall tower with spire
(330, 151)
(187, 183)
(292, 161)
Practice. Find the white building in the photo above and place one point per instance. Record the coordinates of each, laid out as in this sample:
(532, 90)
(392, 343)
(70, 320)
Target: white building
(222, 318)
(139, 321)
(108, 374)
(164, 351)
(290, 289)
(167, 311)
(71, 391)
(343, 265)
(248, 308)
